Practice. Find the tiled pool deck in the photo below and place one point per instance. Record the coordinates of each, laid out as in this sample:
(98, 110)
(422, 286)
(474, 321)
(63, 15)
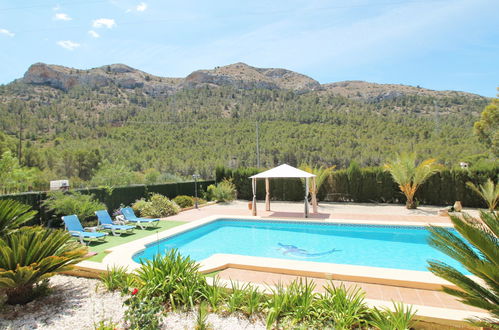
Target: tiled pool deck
(347, 211)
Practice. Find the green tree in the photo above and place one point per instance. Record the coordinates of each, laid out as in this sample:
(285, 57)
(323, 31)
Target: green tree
(487, 128)
(488, 191)
(13, 177)
(77, 203)
(409, 175)
(87, 162)
(321, 175)
(477, 250)
(151, 176)
(113, 175)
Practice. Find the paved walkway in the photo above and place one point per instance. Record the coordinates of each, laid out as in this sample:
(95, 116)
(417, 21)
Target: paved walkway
(350, 211)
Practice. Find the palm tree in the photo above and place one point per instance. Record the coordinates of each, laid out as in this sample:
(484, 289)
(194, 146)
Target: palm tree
(13, 214)
(409, 175)
(488, 191)
(321, 174)
(31, 255)
(478, 252)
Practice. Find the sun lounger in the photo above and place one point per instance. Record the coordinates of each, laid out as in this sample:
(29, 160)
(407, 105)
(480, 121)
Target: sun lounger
(130, 216)
(73, 225)
(105, 222)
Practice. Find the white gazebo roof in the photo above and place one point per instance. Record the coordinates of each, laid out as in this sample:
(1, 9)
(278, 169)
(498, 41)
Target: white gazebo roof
(283, 171)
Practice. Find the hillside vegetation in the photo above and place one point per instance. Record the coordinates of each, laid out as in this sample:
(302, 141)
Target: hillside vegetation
(209, 119)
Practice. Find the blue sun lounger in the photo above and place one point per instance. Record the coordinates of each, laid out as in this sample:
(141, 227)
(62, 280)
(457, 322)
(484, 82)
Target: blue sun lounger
(105, 222)
(73, 225)
(130, 216)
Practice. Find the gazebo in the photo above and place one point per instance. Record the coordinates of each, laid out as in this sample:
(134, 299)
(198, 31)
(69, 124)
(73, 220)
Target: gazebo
(283, 171)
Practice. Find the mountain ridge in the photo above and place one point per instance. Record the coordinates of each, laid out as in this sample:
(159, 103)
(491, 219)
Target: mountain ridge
(238, 75)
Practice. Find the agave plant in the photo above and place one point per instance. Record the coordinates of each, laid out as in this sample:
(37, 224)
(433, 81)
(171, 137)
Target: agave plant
(488, 191)
(31, 255)
(409, 175)
(477, 251)
(321, 175)
(13, 214)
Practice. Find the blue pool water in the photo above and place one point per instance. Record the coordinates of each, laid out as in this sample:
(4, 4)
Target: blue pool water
(400, 247)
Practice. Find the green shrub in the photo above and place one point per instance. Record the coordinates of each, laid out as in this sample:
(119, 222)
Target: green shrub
(159, 206)
(225, 191)
(143, 310)
(139, 205)
(294, 304)
(401, 318)
(174, 278)
(83, 206)
(117, 278)
(209, 194)
(106, 325)
(341, 307)
(184, 201)
(31, 255)
(215, 294)
(202, 318)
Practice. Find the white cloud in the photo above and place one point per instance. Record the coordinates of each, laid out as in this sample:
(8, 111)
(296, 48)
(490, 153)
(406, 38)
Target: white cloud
(104, 22)
(141, 6)
(94, 34)
(56, 7)
(68, 44)
(7, 32)
(62, 17)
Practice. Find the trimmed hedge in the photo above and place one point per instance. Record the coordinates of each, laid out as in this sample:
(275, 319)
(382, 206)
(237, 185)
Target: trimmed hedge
(368, 185)
(112, 198)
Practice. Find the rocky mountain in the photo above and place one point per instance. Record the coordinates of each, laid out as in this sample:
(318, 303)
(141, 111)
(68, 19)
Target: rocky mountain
(362, 90)
(238, 75)
(119, 75)
(241, 75)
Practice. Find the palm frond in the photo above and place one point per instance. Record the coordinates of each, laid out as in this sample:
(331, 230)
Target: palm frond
(13, 214)
(488, 191)
(476, 249)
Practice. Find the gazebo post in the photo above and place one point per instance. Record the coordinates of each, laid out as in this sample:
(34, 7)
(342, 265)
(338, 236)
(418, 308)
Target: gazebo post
(253, 208)
(314, 195)
(267, 194)
(306, 197)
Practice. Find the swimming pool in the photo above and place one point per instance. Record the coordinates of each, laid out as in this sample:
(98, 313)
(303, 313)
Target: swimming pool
(400, 247)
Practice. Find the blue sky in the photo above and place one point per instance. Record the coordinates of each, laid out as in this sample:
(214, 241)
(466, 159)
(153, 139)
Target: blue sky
(437, 44)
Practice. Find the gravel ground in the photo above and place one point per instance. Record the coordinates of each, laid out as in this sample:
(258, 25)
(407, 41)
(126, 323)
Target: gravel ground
(74, 303)
(188, 321)
(79, 303)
